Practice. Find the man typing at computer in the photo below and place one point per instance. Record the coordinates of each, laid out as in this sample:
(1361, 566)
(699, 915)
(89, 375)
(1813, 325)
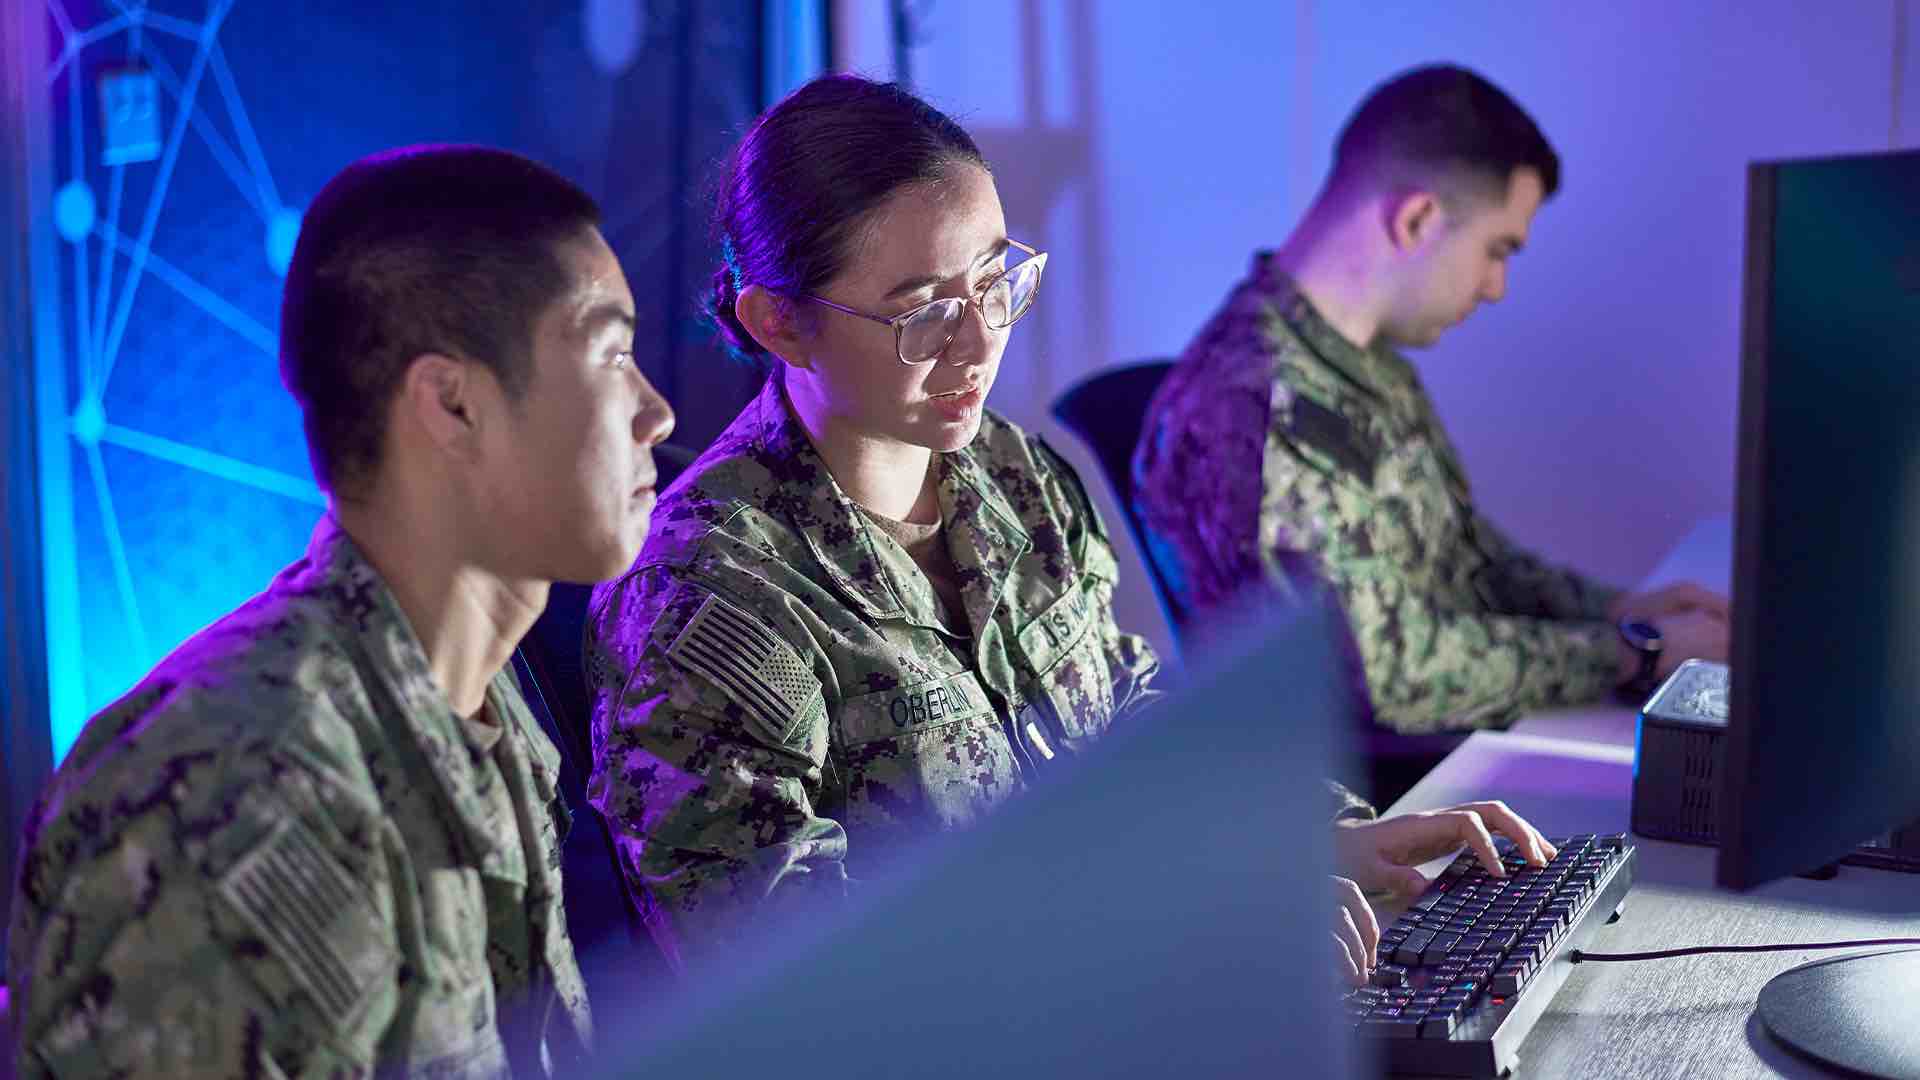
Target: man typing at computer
(1293, 444)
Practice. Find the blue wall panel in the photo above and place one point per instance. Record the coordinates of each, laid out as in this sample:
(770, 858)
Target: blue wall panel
(188, 484)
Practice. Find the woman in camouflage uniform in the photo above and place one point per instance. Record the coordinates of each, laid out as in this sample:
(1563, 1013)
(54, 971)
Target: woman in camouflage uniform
(872, 609)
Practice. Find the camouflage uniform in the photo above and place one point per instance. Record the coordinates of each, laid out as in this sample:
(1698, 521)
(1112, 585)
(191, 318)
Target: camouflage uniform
(1278, 452)
(777, 704)
(278, 856)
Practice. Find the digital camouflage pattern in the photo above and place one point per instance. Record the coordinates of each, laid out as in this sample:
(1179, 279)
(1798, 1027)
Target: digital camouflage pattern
(777, 706)
(1278, 453)
(277, 856)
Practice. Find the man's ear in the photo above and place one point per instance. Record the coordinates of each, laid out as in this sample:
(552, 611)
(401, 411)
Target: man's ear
(1414, 217)
(437, 394)
(774, 323)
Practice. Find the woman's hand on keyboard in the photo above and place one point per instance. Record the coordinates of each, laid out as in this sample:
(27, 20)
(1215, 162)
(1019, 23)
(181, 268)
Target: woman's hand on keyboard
(1381, 855)
(1356, 934)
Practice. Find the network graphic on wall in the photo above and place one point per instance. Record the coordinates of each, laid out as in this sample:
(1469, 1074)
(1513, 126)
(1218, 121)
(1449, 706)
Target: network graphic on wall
(185, 138)
(117, 170)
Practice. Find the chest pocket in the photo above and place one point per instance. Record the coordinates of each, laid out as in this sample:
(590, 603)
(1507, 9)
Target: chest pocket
(930, 753)
(1072, 689)
(1417, 525)
(453, 1033)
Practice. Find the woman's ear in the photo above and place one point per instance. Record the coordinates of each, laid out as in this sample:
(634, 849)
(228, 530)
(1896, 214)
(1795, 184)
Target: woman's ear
(774, 322)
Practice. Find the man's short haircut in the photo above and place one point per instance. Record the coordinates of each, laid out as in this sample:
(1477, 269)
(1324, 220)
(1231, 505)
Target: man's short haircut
(1446, 129)
(424, 249)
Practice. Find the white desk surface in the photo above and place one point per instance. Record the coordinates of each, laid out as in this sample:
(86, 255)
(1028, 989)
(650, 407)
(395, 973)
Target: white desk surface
(1691, 1016)
(1571, 771)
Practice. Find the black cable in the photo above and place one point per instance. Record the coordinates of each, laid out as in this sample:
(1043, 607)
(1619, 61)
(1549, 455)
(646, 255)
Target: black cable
(1579, 957)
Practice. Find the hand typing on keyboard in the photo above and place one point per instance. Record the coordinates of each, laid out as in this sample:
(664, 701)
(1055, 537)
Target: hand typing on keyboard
(1465, 972)
(1382, 856)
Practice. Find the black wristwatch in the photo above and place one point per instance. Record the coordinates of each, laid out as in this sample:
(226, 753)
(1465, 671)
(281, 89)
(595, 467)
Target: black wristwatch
(1643, 638)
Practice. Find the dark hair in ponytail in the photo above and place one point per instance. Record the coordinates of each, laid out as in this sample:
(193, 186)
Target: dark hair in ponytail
(798, 188)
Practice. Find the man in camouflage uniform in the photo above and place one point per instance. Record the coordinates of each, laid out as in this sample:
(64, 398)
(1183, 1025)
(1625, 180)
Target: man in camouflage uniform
(322, 837)
(783, 703)
(1293, 446)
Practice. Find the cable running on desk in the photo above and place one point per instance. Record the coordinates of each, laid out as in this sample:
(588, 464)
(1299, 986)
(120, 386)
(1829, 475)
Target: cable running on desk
(1579, 957)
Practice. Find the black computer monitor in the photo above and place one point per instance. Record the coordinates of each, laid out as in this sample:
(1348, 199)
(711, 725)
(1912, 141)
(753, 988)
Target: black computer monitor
(1823, 731)
(1161, 909)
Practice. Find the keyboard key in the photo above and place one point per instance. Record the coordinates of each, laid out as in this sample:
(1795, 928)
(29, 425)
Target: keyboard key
(1439, 948)
(1380, 1017)
(1402, 1029)
(1509, 979)
(1389, 975)
(1439, 1025)
(1409, 951)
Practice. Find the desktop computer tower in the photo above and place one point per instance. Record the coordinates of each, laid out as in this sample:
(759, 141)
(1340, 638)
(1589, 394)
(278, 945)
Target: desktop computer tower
(1679, 765)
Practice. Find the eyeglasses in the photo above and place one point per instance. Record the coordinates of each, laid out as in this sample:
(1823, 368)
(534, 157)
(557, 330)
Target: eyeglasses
(923, 333)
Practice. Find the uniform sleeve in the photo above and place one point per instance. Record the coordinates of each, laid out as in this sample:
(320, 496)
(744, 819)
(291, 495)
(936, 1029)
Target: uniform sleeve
(1428, 667)
(186, 924)
(710, 744)
(1197, 482)
(1517, 582)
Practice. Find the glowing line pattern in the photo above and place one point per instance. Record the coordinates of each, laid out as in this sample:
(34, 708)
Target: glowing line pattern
(104, 298)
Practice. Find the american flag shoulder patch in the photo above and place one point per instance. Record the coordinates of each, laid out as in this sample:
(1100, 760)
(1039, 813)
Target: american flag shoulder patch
(314, 918)
(751, 665)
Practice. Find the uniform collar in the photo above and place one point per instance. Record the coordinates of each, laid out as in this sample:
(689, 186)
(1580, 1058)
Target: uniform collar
(1387, 379)
(982, 531)
(1377, 370)
(421, 719)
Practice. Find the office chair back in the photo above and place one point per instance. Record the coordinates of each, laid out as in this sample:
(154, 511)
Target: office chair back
(1104, 411)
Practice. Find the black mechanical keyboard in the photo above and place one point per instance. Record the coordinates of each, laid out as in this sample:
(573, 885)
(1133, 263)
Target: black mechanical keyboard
(1467, 970)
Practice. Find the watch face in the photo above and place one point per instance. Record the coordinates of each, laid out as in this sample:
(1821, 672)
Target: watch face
(1640, 635)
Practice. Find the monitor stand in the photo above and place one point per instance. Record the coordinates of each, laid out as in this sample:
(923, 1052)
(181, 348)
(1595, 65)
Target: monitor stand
(1856, 1012)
